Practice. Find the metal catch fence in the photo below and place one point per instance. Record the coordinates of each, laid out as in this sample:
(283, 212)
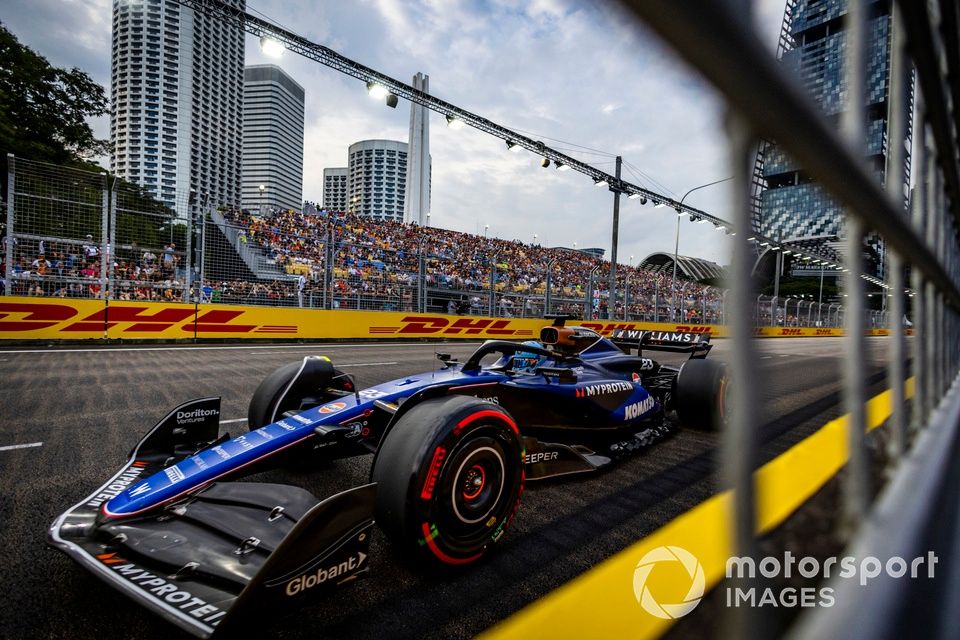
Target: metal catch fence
(916, 513)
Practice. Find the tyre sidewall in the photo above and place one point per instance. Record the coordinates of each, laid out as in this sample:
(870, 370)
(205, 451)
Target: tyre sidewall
(422, 469)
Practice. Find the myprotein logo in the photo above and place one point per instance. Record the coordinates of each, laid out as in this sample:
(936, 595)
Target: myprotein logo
(116, 486)
(436, 325)
(118, 317)
(162, 590)
(661, 589)
(604, 389)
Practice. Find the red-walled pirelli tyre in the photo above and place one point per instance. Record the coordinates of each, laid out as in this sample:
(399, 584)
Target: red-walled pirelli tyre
(701, 394)
(449, 477)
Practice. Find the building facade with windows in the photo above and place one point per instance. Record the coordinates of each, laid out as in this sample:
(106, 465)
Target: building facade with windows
(793, 207)
(273, 115)
(176, 88)
(335, 189)
(376, 178)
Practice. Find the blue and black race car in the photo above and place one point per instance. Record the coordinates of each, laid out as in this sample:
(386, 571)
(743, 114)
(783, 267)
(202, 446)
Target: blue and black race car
(453, 449)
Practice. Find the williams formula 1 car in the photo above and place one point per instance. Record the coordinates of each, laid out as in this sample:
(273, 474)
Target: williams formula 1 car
(452, 450)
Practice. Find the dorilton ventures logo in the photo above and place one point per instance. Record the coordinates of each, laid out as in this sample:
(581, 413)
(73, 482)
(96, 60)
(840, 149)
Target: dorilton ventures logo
(657, 573)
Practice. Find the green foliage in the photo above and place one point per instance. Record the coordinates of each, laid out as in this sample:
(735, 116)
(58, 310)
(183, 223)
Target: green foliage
(44, 109)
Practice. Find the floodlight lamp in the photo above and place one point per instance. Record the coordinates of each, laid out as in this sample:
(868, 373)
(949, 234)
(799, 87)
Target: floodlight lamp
(377, 91)
(633, 196)
(545, 163)
(455, 123)
(271, 47)
(600, 182)
(562, 167)
(657, 205)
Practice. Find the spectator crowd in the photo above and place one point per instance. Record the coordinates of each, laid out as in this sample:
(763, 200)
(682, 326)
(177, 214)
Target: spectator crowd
(371, 264)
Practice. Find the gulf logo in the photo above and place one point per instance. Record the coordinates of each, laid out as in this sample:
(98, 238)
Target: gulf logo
(333, 407)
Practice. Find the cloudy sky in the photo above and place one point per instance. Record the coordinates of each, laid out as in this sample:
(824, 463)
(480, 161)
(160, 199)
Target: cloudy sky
(574, 73)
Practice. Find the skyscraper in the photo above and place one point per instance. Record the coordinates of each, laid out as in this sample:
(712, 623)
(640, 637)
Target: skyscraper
(273, 105)
(417, 186)
(792, 207)
(377, 173)
(176, 80)
(335, 189)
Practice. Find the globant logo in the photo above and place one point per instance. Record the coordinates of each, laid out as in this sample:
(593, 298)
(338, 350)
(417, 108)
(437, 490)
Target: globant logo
(657, 572)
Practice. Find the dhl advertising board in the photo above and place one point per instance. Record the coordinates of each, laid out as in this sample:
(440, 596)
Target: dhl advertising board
(63, 319)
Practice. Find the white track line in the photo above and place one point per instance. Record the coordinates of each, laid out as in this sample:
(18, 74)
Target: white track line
(315, 347)
(21, 446)
(365, 364)
(233, 420)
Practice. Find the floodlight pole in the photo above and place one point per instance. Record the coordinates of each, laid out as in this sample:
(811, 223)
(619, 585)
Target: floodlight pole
(612, 295)
(676, 245)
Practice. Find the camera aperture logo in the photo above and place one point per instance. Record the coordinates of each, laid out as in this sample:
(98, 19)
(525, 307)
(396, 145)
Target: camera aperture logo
(668, 570)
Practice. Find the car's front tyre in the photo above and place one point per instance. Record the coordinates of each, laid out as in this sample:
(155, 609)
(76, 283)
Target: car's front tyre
(449, 478)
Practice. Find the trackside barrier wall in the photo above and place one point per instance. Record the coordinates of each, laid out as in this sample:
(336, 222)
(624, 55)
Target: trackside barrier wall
(64, 319)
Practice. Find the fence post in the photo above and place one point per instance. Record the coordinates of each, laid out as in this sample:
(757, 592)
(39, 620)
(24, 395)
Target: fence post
(11, 196)
(112, 279)
(656, 299)
(546, 295)
(188, 257)
(105, 246)
(422, 279)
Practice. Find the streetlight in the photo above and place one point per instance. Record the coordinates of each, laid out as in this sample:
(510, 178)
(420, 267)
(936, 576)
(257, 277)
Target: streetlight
(676, 244)
(263, 188)
(486, 228)
(534, 239)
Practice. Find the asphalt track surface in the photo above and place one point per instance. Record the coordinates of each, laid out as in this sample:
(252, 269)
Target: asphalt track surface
(89, 405)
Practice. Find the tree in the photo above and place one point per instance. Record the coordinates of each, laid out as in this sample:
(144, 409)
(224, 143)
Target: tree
(44, 109)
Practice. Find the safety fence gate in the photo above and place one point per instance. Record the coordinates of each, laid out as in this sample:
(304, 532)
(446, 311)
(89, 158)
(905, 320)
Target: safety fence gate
(916, 512)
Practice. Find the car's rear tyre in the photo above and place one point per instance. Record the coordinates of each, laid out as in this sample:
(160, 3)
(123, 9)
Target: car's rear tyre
(701, 394)
(449, 478)
(295, 387)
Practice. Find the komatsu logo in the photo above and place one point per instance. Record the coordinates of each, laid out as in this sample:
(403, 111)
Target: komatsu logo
(316, 578)
(637, 409)
(197, 415)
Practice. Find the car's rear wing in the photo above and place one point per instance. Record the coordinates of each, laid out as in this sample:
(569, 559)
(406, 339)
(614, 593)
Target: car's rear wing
(696, 344)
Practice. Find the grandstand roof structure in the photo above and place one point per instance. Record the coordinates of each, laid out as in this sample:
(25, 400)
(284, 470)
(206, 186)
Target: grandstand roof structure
(687, 266)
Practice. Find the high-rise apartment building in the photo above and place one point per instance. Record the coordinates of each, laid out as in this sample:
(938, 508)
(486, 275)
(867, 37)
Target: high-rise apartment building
(377, 174)
(793, 207)
(335, 189)
(176, 86)
(272, 168)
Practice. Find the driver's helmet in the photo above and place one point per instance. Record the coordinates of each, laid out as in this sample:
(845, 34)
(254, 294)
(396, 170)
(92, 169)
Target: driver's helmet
(528, 361)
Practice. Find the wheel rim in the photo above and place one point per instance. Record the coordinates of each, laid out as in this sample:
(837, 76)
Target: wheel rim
(478, 484)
